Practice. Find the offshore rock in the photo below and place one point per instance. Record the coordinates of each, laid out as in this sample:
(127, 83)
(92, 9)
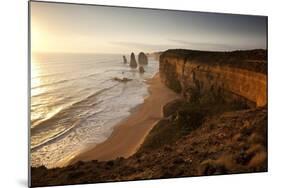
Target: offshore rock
(133, 62)
(141, 69)
(125, 60)
(142, 58)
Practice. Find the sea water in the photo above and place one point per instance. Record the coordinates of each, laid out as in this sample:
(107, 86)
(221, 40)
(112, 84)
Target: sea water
(75, 101)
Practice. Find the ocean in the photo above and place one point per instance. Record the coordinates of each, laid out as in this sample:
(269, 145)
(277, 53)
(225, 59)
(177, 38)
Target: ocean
(75, 101)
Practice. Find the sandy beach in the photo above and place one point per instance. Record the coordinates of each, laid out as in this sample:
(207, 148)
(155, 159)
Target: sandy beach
(129, 134)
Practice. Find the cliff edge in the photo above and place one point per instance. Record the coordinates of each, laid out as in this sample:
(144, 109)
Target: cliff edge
(224, 75)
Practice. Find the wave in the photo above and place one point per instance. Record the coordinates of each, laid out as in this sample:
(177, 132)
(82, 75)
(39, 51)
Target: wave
(65, 72)
(65, 111)
(66, 80)
(53, 83)
(72, 79)
(53, 138)
(59, 135)
(46, 75)
(52, 91)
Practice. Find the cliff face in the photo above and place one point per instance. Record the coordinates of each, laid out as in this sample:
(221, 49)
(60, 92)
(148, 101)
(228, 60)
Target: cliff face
(197, 75)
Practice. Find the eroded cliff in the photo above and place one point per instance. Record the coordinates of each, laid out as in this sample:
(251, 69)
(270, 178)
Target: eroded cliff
(197, 75)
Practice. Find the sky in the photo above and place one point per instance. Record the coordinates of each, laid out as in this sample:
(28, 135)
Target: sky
(74, 28)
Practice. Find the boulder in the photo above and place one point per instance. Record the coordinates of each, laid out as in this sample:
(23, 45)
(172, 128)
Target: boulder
(212, 167)
(124, 60)
(142, 58)
(133, 62)
(141, 69)
(172, 107)
(122, 79)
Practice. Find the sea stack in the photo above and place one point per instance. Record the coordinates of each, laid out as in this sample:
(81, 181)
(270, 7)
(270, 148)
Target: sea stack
(141, 69)
(124, 59)
(142, 59)
(133, 62)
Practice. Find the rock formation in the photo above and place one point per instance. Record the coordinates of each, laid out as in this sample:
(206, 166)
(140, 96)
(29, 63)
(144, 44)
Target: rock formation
(141, 69)
(171, 107)
(142, 59)
(238, 75)
(122, 79)
(124, 59)
(133, 62)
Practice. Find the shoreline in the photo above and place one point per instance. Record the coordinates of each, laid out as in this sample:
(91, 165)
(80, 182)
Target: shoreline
(130, 133)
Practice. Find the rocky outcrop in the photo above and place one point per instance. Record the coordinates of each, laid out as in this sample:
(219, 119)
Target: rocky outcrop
(142, 59)
(133, 62)
(141, 69)
(124, 80)
(171, 107)
(124, 60)
(199, 75)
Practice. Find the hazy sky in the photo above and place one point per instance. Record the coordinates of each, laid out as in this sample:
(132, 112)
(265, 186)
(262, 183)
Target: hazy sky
(98, 29)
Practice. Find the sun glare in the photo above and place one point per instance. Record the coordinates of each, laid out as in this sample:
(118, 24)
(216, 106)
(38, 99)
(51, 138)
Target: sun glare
(35, 76)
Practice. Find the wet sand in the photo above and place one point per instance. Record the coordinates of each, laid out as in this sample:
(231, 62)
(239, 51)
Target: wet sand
(129, 134)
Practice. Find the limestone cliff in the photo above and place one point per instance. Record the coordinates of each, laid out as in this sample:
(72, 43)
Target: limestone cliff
(238, 75)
